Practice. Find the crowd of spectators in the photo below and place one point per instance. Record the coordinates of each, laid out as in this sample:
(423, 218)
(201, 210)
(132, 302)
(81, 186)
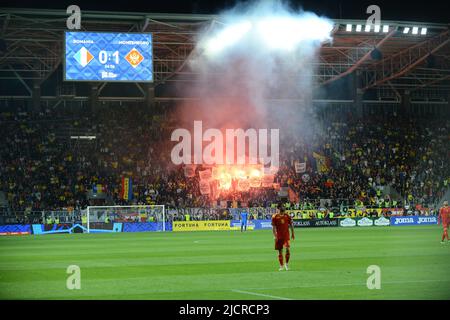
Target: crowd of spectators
(366, 155)
(41, 168)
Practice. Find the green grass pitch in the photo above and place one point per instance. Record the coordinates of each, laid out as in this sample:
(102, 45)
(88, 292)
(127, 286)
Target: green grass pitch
(328, 263)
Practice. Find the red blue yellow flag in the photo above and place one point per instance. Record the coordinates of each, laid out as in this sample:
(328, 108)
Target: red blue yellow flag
(127, 189)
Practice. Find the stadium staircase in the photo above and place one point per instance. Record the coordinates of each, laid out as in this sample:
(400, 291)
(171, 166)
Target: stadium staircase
(76, 137)
(445, 197)
(5, 210)
(66, 132)
(392, 192)
(3, 200)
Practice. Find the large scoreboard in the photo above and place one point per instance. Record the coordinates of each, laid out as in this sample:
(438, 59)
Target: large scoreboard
(107, 56)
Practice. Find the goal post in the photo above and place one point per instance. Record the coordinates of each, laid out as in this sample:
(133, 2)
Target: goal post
(108, 218)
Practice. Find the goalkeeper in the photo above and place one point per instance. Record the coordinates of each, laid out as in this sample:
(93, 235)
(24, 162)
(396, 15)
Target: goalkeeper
(244, 218)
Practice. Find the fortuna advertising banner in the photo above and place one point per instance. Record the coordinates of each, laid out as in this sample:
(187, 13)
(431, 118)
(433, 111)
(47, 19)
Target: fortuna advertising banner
(212, 225)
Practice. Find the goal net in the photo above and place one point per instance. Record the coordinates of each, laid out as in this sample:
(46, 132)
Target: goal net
(113, 218)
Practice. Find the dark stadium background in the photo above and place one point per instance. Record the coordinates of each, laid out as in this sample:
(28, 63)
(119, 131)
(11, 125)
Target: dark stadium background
(427, 11)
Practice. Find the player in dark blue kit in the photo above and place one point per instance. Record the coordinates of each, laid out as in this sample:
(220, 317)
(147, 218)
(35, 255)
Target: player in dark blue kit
(244, 218)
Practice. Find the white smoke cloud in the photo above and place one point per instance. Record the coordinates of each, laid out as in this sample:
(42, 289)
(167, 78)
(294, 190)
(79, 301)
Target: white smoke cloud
(254, 53)
(269, 27)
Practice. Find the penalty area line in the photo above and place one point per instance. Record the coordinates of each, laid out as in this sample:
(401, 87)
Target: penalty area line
(260, 294)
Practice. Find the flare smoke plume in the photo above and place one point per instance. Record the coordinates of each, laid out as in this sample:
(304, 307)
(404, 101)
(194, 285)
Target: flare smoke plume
(256, 65)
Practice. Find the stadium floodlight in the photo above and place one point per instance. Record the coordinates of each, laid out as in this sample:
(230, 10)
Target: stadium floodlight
(415, 30)
(286, 33)
(368, 27)
(349, 28)
(406, 30)
(358, 28)
(377, 28)
(227, 37)
(386, 29)
(423, 31)
(275, 32)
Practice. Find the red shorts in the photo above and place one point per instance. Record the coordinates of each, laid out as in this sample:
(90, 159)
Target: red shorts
(282, 243)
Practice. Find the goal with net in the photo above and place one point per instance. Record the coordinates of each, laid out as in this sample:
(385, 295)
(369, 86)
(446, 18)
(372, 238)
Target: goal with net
(117, 218)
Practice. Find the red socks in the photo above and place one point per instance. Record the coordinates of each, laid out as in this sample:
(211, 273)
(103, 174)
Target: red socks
(280, 258)
(445, 235)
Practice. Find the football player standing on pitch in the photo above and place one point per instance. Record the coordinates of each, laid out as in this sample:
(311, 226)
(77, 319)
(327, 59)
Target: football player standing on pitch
(281, 223)
(444, 216)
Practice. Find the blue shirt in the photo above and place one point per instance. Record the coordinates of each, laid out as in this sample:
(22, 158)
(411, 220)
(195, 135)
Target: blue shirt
(244, 215)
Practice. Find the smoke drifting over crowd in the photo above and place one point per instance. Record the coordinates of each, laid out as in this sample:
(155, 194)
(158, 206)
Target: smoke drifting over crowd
(255, 65)
(252, 61)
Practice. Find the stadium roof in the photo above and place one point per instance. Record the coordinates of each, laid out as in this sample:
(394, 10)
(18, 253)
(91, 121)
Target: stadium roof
(390, 61)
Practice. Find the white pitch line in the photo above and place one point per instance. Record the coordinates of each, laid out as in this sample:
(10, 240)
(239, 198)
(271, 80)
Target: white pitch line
(261, 295)
(334, 285)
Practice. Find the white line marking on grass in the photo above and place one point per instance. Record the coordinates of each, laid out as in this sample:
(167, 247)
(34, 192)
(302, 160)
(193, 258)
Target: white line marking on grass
(345, 285)
(260, 294)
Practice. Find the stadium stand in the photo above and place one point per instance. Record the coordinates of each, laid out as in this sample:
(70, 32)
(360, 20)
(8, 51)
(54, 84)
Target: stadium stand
(43, 169)
(382, 125)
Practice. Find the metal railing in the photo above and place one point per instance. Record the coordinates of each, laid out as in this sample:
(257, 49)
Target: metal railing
(200, 213)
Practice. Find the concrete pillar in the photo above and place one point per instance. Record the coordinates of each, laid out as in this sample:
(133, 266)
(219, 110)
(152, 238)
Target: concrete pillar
(93, 98)
(359, 103)
(150, 98)
(447, 107)
(406, 103)
(36, 98)
(358, 95)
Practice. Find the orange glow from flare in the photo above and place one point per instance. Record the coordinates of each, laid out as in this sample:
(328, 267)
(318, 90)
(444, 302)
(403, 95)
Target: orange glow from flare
(224, 181)
(226, 174)
(255, 173)
(239, 173)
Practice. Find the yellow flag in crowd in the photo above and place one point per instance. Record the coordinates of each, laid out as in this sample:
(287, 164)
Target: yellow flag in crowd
(321, 161)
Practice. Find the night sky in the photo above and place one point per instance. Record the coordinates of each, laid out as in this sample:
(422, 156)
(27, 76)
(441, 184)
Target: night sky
(426, 11)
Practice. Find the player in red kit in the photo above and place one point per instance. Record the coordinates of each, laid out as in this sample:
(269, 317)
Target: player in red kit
(444, 216)
(281, 223)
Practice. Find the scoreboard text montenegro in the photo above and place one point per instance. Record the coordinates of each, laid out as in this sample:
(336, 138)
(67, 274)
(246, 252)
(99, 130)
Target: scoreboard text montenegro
(105, 56)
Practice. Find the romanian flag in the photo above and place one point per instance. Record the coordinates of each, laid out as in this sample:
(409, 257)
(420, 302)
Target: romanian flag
(127, 189)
